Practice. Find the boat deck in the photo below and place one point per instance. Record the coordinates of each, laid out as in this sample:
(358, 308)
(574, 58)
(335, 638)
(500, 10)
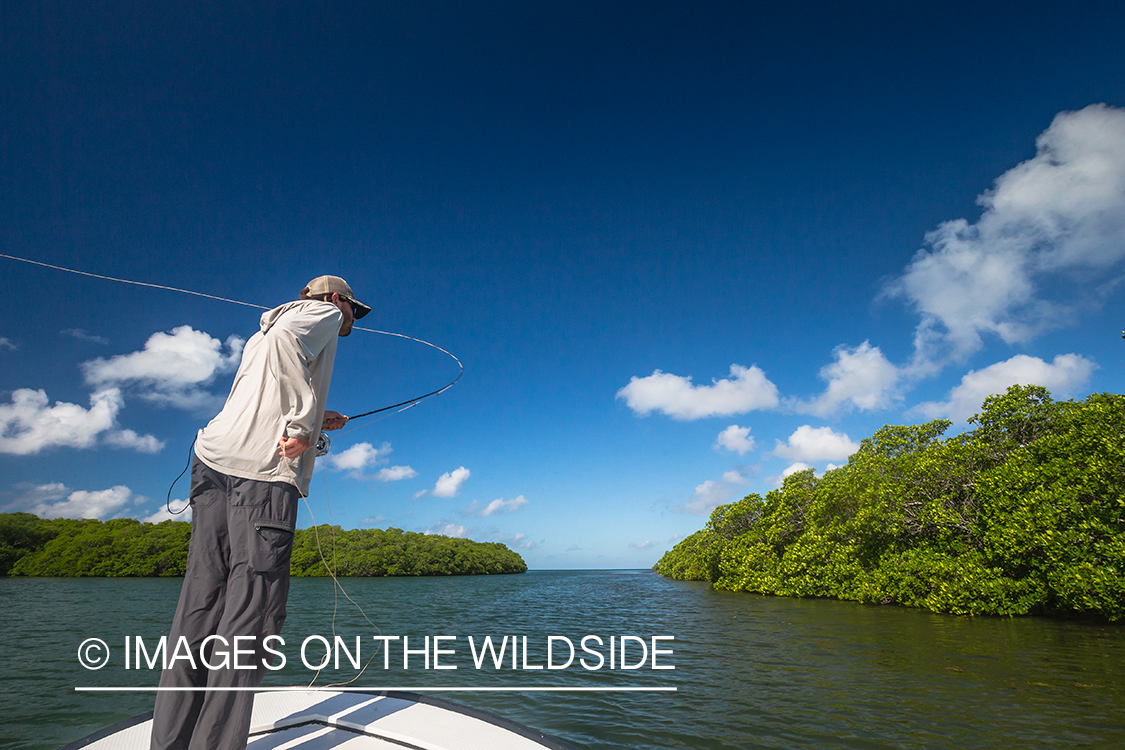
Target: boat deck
(354, 721)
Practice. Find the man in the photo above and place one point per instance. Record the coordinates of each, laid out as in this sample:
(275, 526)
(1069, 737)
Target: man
(252, 464)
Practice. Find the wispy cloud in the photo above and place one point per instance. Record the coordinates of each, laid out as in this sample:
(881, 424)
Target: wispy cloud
(707, 497)
(641, 545)
(793, 468)
(735, 478)
(81, 335)
(8, 344)
(1065, 374)
(747, 389)
(173, 369)
(518, 540)
(1052, 234)
(496, 506)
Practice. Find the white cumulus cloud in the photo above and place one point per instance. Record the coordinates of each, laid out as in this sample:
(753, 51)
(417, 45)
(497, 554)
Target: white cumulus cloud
(735, 439)
(445, 528)
(747, 389)
(29, 424)
(1050, 237)
(56, 501)
(809, 443)
(173, 369)
(181, 511)
(641, 545)
(1062, 376)
(395, 473)
(860, 378)
(362, 456)
(449, 483)
(130, 439)
(359, 457)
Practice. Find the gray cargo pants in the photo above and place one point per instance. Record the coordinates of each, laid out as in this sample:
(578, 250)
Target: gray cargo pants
(236, 584)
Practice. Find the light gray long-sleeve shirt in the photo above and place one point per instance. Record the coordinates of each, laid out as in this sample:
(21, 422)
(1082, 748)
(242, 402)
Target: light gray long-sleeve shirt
(280, 390)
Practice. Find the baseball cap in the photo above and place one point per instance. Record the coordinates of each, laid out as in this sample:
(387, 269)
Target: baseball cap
(334, 284)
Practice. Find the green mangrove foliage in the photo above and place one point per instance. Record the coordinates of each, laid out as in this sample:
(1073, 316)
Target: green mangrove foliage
(374, 552)
(33, 546)
(1023, 514)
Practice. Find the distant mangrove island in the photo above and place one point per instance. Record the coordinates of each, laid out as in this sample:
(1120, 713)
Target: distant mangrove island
(67, 547)
(1023, 514)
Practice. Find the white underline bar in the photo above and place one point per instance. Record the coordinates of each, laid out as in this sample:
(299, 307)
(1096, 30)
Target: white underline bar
(297, 688)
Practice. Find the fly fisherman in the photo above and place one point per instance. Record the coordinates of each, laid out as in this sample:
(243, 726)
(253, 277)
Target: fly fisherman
(252, 463)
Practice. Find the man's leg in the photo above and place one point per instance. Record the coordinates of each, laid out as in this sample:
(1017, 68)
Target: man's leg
(261, 518)
(199, 609)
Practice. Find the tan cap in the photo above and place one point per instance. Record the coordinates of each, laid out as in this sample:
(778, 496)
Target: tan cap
(335, 285)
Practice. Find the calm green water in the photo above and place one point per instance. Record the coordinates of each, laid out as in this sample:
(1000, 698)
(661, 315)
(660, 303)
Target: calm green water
(750, 671)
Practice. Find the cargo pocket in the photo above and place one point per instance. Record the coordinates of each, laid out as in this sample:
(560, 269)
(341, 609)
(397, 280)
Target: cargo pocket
(206, 485)
(271, 547)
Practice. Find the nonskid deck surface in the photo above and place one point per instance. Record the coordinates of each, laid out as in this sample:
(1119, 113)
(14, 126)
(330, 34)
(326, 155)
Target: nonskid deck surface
(355, 721)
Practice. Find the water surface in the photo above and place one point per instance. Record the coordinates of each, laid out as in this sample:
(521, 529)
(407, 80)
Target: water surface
(751, 671)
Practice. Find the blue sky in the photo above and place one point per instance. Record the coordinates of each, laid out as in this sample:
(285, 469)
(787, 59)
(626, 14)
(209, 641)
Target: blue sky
(680, 250)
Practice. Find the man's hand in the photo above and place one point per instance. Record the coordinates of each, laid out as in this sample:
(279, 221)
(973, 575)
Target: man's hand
(333, 421)
(292, 447)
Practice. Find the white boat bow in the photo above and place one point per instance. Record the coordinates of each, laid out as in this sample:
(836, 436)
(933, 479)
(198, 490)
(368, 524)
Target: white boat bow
(322, 720)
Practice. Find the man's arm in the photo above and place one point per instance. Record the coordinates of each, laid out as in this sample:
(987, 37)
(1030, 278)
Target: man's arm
(294, 447)
(292, 344)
